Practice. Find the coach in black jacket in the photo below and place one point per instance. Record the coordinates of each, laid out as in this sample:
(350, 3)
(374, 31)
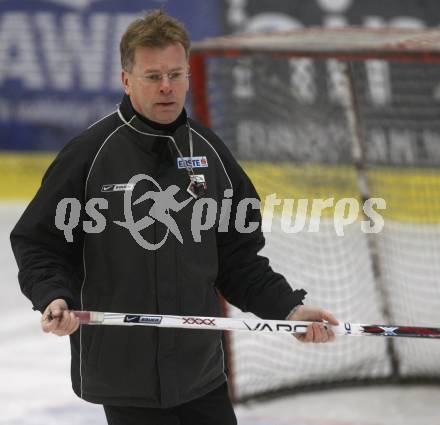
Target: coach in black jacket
(168, 263)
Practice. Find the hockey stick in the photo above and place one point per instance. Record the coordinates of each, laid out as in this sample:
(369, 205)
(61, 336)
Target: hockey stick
(250, 325)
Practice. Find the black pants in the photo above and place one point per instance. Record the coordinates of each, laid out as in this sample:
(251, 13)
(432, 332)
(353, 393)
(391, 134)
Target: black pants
(214, 408)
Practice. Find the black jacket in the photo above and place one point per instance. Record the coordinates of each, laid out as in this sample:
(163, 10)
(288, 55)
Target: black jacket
(110, 271)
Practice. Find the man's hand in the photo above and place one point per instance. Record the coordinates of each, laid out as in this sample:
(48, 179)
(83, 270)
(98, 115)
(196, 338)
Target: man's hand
(58, 320)
(316, 331)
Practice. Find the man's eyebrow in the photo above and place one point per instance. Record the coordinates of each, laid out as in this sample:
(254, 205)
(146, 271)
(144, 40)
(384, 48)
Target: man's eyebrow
(151, 71)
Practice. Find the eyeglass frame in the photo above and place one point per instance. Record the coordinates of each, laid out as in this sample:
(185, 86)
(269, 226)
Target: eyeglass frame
(149, 78)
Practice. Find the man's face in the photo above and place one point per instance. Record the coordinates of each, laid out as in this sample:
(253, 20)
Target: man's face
(152, 92)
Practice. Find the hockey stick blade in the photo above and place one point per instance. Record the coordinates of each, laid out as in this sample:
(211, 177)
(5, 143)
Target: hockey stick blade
(249, 325)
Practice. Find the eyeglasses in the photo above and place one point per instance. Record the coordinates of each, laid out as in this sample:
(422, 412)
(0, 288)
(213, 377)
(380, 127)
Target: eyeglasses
(157, 78)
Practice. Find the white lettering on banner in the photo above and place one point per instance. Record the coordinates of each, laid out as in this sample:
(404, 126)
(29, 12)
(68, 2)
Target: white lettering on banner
(377, 71)
(311, 141)
(5, 110)
(77, 4)
(69, 44)
(303, 80)
(302, 84)
(338, 90)
(54, 111)
(46, 50)
(18, 54)
(334, 6)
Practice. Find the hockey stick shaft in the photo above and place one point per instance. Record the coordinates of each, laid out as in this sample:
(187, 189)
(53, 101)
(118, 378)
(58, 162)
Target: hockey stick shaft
(248, 325)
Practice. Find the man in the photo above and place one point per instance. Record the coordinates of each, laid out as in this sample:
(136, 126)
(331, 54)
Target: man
(146, 375)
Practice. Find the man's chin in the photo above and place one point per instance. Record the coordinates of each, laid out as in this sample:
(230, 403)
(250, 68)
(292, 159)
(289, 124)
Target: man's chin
(165, 120)
(166, 117)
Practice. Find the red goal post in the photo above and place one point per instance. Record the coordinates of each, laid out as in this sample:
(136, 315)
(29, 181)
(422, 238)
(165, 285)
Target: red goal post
(336, 113)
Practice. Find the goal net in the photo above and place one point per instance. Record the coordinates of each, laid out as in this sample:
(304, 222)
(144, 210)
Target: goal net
(336, 116)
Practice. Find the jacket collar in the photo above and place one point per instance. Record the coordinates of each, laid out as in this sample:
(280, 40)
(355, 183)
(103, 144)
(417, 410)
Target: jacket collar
(129, 115)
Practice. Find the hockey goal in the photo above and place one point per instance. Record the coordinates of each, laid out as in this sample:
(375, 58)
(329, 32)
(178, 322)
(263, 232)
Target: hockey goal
(336, 114)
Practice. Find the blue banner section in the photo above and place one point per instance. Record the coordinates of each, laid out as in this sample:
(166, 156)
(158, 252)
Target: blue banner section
(60, 66)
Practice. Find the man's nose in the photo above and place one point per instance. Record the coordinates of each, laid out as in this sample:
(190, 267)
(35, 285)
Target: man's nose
(165, 84)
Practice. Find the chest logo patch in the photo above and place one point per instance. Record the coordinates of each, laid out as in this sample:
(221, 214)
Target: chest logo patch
(122, 187)
(194, 162)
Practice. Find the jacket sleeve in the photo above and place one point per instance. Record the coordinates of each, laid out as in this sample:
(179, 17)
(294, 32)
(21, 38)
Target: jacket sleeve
(48, 264)
(245, 278)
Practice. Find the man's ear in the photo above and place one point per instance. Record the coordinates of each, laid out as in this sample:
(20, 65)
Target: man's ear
(125, 81)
